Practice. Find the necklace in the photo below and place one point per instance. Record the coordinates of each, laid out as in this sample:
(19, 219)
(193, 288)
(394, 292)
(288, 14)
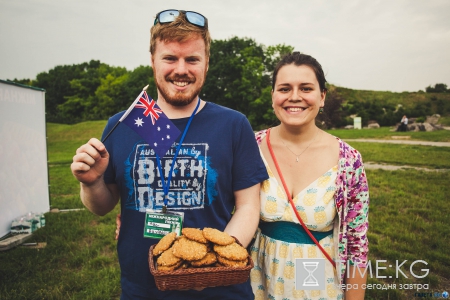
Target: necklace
(297, 155)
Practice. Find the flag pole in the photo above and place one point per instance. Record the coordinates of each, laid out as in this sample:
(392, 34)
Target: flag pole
(125, 114)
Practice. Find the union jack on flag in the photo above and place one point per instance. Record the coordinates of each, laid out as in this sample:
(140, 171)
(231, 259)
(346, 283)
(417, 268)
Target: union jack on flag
(149, 121)
(149, 107)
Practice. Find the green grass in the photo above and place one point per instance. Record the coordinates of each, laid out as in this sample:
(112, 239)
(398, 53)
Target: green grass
(408, 221)
(445, 121)
(386, 133)
(79, 261)
(411, 155)
(63, 140)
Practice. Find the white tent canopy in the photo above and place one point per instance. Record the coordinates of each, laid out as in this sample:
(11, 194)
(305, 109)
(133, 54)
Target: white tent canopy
(23, 153)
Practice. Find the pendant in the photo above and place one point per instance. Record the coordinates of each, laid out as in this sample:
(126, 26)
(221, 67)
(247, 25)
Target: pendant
(296, 158)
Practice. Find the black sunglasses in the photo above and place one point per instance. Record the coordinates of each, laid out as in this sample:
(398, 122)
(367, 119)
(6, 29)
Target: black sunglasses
(169, 15)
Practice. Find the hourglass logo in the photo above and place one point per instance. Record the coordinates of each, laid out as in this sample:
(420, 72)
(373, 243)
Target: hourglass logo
(309, 274)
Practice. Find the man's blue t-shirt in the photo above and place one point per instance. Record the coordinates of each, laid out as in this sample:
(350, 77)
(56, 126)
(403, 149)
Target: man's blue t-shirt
(218, 156)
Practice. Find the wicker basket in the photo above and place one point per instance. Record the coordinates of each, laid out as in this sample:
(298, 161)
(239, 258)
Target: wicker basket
(186, 279)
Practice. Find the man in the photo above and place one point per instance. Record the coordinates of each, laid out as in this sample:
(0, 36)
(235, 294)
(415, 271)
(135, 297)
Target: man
(218, 168)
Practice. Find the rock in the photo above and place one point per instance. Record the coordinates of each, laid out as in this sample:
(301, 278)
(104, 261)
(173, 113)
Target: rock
(349, 127)
(424, 127)
(428, 127)
(433, 120)
(373, 125)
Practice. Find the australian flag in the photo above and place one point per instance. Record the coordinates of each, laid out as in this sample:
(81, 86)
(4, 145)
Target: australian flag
(149, 121)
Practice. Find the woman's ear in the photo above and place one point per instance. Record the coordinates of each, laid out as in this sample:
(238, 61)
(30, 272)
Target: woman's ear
(323, 95)
(271, 93)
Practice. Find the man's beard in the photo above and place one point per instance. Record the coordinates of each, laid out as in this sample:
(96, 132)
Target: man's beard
(180, 98)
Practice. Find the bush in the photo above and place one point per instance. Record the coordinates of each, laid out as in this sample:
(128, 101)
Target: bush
(420, 119)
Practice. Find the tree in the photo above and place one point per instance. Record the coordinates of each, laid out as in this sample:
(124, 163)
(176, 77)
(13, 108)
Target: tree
(236, 73)
(56, 83)
(332, 115)
(137, 80)
(95, 94)
(239, 77)
(438, 88)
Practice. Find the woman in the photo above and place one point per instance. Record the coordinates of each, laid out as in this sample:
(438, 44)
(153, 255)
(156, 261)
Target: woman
(326, 182)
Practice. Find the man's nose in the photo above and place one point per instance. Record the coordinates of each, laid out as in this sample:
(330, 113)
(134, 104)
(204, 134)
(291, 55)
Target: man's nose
(181, 67)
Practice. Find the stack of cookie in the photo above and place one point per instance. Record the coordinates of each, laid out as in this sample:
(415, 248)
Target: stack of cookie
(199, 248)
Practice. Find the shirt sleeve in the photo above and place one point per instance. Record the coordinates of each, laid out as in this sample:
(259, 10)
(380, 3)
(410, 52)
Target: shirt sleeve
(358, 214)
(248, 167)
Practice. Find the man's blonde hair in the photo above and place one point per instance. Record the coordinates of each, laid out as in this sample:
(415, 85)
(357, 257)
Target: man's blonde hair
(180, 30)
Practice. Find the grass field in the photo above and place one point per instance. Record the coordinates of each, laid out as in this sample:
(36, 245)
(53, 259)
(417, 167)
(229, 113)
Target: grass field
(409, 221)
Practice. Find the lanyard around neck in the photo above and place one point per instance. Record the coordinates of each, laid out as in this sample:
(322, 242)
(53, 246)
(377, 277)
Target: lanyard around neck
(165, 184)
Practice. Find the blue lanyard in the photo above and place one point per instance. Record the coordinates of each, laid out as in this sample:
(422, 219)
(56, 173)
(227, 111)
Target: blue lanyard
(165, 184)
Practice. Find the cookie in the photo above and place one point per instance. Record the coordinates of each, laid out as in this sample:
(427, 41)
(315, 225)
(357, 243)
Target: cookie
(209, 259)
(232, 263)
(194, 234)
(167, 258)
(189, 250)
(164, 243)
(233, 251)
(170, 268)
(217, 237)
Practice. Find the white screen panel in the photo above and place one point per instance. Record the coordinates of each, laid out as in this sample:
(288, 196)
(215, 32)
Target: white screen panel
(23, 154)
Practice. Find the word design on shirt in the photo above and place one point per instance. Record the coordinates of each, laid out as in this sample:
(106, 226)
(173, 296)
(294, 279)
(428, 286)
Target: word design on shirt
(186, 187)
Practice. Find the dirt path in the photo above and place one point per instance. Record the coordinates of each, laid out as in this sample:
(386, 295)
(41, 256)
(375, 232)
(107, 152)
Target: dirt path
(405, 142)
(370, 165)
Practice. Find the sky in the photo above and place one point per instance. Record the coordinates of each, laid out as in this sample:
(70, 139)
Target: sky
(381, 45)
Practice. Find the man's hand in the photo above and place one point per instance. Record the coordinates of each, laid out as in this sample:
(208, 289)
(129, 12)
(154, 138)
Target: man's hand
(88, 166)
(90, 162)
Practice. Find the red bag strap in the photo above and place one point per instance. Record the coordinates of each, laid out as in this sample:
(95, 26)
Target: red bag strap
(292, 202)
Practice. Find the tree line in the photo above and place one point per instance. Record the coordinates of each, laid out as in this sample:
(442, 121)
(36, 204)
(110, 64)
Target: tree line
(438, 88)
(239, 77)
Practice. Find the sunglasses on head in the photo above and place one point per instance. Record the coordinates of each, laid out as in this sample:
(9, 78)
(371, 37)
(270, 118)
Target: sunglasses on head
(168, 16)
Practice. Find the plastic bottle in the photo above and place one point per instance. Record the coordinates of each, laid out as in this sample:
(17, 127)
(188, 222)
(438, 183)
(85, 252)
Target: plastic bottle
(30, 217)
(42, 220)
(26, 226)
(16, 227)
(37, 218)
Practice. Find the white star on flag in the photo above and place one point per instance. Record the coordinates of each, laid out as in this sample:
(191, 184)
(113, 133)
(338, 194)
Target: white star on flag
(168, 126)
(155, 144)
(138, 122)
(159, 129)
(168, 137)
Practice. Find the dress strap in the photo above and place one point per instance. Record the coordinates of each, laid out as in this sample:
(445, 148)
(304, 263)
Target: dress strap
(288, 194)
